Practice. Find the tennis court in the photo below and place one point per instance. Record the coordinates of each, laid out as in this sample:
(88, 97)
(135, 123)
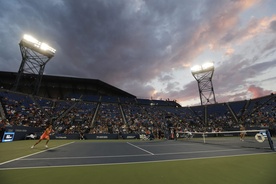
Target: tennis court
(122, 152)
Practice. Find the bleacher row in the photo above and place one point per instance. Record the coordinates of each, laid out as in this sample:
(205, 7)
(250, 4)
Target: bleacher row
(113, 115)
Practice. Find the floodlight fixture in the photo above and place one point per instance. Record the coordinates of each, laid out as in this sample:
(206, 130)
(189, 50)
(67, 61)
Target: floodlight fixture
(30, 39)
(196, 68)
(40, 47)
(202, 68)
(35, 56)
(203, 75)
(208, 66)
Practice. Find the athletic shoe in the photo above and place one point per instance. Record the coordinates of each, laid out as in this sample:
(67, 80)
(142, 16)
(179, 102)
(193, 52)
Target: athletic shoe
(46, 146)
(32, 147)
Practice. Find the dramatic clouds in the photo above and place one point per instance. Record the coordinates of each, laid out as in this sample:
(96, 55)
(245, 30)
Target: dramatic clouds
(146, 47)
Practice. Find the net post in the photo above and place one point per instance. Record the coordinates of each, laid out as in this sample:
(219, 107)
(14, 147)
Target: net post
(270, 140)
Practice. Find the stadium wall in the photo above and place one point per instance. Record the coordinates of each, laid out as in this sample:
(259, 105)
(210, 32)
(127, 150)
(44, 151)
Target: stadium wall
(23, 132)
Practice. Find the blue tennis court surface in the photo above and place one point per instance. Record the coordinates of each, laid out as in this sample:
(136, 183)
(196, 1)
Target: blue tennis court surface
(95, 153)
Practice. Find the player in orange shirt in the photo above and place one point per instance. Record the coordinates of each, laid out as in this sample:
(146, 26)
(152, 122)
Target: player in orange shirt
(45, 135)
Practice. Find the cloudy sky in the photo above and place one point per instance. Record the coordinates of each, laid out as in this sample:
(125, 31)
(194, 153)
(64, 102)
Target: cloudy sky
(147, 47)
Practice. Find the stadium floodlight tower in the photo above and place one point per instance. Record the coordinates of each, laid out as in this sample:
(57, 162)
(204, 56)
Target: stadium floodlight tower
(203, 75)
(35, 56)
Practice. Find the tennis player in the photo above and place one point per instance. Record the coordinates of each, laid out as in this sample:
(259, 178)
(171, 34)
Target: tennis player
(242, 134)
(45, 135)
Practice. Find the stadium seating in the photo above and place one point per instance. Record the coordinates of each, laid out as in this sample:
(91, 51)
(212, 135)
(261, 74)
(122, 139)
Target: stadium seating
(106, 114)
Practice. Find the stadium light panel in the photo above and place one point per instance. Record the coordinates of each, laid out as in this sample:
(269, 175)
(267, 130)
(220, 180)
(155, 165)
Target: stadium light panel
(202, 68)
(208, 66)
(196, 68)
(44, 46)
(34, 43)
(30, 39)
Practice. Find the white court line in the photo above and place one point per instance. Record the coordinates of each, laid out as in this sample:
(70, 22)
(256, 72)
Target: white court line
(34, 153)
(164, 145)
(195, 152)
(140, 155)
(140, 148)
(91, 157)
(128, 163)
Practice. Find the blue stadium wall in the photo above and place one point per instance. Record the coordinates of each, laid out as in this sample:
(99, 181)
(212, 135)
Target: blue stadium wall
(21, 133)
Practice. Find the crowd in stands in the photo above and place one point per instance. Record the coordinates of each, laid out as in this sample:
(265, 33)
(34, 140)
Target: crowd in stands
(133, 116)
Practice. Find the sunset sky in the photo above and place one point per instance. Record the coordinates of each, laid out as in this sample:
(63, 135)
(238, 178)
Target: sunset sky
(147, 47)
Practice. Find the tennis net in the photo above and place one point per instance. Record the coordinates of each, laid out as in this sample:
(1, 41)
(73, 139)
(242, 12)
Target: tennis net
(259, 139)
